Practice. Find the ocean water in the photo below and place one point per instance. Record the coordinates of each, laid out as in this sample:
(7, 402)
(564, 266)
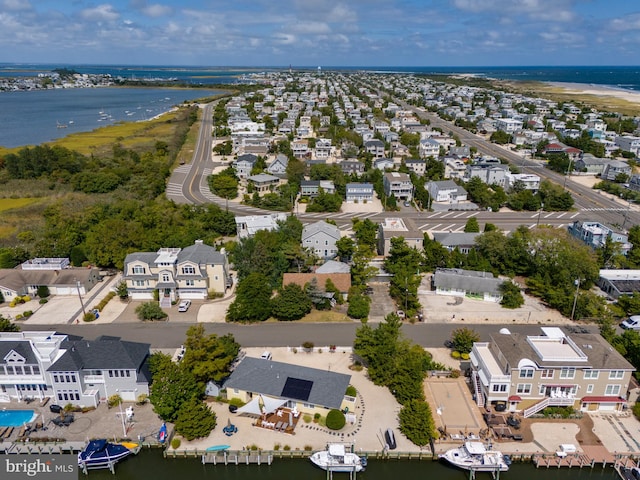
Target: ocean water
(35, 117)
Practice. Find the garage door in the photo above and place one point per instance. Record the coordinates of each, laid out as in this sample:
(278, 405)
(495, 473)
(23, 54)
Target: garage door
(66, 291)
(128, 395)
(607, 407)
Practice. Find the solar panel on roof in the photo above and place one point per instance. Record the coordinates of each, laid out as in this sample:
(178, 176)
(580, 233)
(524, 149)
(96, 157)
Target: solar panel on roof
(297, 388)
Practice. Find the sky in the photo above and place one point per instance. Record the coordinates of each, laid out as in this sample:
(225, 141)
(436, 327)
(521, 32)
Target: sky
(321, 32)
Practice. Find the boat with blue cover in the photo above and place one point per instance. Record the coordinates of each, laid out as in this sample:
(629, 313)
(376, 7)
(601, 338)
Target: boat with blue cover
(103, 454)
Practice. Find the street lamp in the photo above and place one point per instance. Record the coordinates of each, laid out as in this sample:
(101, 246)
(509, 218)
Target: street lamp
(540, 213)
(575, 298)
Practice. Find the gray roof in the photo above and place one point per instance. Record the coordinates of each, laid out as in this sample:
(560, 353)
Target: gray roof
(466, 280)
(198, 253)
(599, 353)
(269, 378)
(332, 266)
(100, 354)
(320, 226)
(15, 279)
(21, 347)
(263, 177)
(455, 239)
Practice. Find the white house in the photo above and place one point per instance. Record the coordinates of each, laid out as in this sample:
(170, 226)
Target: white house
(321, 237)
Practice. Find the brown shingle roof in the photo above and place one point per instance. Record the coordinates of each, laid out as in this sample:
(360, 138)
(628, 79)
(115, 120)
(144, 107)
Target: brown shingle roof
(342, 281)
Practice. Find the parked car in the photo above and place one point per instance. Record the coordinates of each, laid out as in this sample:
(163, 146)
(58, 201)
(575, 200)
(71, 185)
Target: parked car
(266, 355)
(184, 305)
(400, 314)
(631, 323)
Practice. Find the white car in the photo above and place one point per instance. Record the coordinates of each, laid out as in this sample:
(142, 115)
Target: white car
(184, 305)
(631, 323)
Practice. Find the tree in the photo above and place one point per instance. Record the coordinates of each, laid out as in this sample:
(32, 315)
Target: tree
(346, 247)
(7, 326)
(361, 270)
(359, 305)
(195, 419)
(416, 422)
(511, 295)
(150, 311)
(122, 291)
(253, 299)
(472, 225)
(224, 184)
(463, 339)
(208, 357)
(500, 137)
(43, 291)
(291, 303)
(335, 419)
(365, 231)
(171, 386)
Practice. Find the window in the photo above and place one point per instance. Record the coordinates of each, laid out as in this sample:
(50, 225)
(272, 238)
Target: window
(592, 374)
(590, 388)
(567, 372)
(36, 370)
(10, 370)
(139, 270)
(138, 283)
(165, 277)
(55, 378)
(616, 374)
(128, 373)
(547, 373)
(499, 388)
(189, 270)
(612, 390)
(190, 283)
(526, 373)
(523, 388)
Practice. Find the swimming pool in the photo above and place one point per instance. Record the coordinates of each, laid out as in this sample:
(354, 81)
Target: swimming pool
(16, 418)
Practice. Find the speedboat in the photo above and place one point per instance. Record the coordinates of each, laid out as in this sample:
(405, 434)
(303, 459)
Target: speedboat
(477, 457)
(336, 458)
(102, 454)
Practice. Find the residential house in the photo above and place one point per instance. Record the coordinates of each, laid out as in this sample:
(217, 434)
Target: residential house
(321, 237)
(397, 227)
(591, 164)
(300, 148)
(463, 241)
(351, 167)
(596, 235)
(359, 192)
(629, 143)
(616, 283)
(508, 125)
(416, 165)
(323, 148)
(263, 183)
(375, 147)
(186, 273)
(268, 385)
(559, 147)
(467, 283)
(253, 145)
(311, 188)
(397, 184)
(634, 183)
(279, 166)
(489, 173)
(462, 152)
(528, 181)
(54, 273)
(244, 164)
(428, 147)
(446, 191)
(454, 168)
(613, 168)
(247, 226)
(384, 164)
(557, 368)
(71, 370)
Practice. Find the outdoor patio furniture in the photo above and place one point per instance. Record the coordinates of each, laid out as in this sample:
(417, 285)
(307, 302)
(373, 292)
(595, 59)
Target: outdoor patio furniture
(284, 426)
(278, 425)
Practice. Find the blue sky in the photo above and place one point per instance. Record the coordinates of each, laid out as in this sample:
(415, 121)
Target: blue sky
(321, 32)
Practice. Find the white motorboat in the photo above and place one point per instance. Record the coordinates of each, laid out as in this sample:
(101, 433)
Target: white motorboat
(476, 456)
(336, 458)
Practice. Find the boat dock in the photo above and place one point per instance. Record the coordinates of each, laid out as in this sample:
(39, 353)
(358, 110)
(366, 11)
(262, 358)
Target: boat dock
(237, 458)
(41, 448)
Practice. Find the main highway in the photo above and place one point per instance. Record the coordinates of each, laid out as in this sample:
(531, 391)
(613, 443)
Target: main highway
(188, 184)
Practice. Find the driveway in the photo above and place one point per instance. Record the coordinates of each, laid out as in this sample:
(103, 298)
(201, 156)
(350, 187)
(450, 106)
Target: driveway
(381, 303)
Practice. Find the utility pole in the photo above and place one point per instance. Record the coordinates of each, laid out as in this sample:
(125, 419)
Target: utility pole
(540, 213)
(575, 298)
(80, 297)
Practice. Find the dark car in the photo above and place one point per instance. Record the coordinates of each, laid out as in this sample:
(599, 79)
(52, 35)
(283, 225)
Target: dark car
(233, 408)
(55, 408)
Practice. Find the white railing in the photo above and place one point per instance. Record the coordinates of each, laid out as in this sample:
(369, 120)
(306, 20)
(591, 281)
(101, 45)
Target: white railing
(477, 389)
(547, 402)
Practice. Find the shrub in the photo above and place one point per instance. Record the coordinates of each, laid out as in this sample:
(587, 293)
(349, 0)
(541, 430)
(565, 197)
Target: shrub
(89, 317)
(351, 391)
(636, 410)
(307, 418)
(316, 417)
(114, 400)
(286, 448)
(150, 311)
(455, 373)
(308, 448)
(27, 313)
(42, 301)
(237, 402)
(142, 399)
(276, 447)
(43, 291)
(175, 443)
(26, 299)
(464, 356)
(335, 419)
(103, 303)
(307, 345)
(19, 316)
(455, 354)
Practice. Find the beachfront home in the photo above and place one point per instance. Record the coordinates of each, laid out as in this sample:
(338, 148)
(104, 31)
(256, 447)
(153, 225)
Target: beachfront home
(596, 235)
(260, 382)
(321, 238)
(557, 368)
(247, 226)
(177, 273)
(70, 370)
(397, 184)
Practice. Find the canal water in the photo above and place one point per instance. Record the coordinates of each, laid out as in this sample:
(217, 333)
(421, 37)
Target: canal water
(150, 465)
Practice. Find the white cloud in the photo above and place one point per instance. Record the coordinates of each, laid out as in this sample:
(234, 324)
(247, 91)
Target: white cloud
(624, 24)
(547, 10)
(101, 13)
(16, 5)
(310, 28)
(156, 10)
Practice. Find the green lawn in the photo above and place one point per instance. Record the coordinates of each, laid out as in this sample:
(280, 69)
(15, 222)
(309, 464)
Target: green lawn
(11, 203)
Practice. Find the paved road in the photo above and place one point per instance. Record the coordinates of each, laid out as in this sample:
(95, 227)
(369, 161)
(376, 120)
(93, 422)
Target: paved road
(170, 335)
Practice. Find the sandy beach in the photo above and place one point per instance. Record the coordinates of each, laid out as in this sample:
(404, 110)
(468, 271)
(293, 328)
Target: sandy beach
(597, 90)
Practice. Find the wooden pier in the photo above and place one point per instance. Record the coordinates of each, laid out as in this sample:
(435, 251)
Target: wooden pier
(237, 458)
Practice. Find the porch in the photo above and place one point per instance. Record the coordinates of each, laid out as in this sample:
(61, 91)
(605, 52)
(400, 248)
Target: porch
(282, 420)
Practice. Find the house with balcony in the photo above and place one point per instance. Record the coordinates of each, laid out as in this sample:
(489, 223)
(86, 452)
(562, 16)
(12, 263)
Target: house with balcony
(244, 164)
(628, 143)
(375, 147)
(528, 181)
(177, 273)
(398, 227)
(351, 167)
(556, 368)
(263, 183)
(247, 226)
(416, 165)
(279, 165)
(311, 188)
(446, 191)
(42, 364)
(429, 147)
(359, 192)
(613, 168)
(596, 235)
(397, 184)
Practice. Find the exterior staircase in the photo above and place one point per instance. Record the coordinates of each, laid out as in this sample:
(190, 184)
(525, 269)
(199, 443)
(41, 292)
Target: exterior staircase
(477, 389)
(165, 302)
(547, 402)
